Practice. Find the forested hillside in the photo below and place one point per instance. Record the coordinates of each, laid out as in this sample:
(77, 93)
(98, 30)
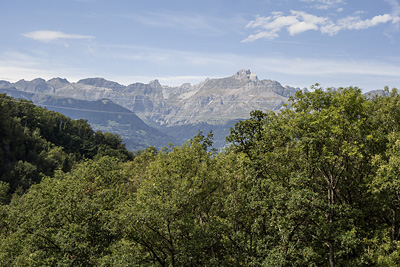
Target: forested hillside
(102, 115)
(34, 142)
(316, 184)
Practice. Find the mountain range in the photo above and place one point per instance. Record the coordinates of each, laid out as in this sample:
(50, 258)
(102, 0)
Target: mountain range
(153, 114)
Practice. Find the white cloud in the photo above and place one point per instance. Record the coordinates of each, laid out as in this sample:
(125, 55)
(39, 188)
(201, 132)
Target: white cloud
(48, 36)
(261, 35)
(364, 24)
(355, 23)
(270, 25)
(295, 23)
(330, 28)
(301, 27)
(299, 22)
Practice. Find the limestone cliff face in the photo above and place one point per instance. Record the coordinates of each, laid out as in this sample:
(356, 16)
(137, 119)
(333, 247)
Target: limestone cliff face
(214, 101)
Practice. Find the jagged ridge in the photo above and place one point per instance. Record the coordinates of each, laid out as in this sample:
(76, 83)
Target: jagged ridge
(214, 101)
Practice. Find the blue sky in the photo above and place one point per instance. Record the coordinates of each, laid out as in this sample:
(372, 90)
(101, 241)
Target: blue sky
(296, 42)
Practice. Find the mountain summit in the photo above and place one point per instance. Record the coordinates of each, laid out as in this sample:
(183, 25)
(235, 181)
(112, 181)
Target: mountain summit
(213, 101)
(245, 74)
(180, 112)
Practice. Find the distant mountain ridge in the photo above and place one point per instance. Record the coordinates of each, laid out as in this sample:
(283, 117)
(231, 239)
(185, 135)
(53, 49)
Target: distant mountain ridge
(213, 101)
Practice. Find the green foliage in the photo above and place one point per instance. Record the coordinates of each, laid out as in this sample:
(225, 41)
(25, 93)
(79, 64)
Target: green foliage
(172, 218)
(314, 185)
(312, 166)
(4, 188)
(35, 142)
(65, 220)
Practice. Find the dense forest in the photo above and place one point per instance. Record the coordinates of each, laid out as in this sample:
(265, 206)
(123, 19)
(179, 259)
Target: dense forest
(316, 184)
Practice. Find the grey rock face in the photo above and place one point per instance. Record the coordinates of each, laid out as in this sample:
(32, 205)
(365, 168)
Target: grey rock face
(58, 82)
(37, 85)
(213, 101)
(101, 82)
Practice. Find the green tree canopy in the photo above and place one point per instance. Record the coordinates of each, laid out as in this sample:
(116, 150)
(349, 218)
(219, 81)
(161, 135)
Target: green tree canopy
(316, 184)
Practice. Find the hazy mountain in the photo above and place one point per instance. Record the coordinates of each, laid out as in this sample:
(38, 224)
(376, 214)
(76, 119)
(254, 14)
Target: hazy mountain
(214, 101)
(217, 101)
(179, 111)
(378, 92)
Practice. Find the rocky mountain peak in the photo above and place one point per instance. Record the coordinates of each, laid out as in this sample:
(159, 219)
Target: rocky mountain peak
(186, 85)
(245, 74)
(4, 84)
(155, 84)
(214, 101)
(38, 80)
(36, 85)
(101, 82)
(58, 80)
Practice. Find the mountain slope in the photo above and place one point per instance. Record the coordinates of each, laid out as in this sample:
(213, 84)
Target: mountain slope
(214, 101)
(217, 101)
(102, 115)
(179, 111)
(36, 142)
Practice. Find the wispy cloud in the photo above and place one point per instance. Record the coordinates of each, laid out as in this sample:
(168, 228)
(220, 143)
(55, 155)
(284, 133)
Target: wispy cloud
(301, 72)
(395, 11)
(324, 4)
(15, 66)
(304, 71)
(191, 23)
(215, 62)
(48, 36)
(298, 22)
(355, 23)
(395, 7)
